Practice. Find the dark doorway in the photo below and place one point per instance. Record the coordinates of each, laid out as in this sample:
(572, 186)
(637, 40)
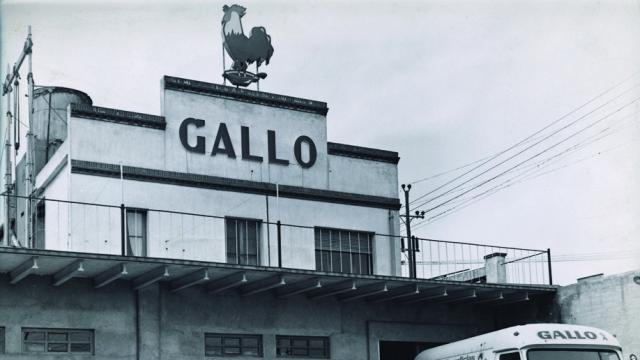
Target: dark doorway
(403, 350)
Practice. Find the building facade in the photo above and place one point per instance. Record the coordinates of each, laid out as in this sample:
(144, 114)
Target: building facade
(229, 226)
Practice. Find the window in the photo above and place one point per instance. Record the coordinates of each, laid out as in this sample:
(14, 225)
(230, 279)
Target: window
(302, 347)
(343, 251)
(232, 345)
(571, 354)
(136, 232)
(1, 340)
(243, 241)
(510, 356)
(57, 341)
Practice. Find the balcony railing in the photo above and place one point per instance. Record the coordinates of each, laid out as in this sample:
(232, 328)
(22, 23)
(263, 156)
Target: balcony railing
(113, 229)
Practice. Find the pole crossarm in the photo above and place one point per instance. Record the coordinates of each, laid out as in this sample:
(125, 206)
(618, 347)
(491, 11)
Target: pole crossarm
(15, 71)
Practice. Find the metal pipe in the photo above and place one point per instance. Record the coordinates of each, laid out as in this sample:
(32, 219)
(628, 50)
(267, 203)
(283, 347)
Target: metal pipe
(30, 180)
(7, 177)
(122, 230)
(549, 266)
(278, 224)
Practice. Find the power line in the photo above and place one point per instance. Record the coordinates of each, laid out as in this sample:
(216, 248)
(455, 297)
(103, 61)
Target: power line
(526, 160)
(525, 140)
(502, 185)
(508, 183)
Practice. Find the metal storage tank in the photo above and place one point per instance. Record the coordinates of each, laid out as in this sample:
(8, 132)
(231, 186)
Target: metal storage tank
(50, 119)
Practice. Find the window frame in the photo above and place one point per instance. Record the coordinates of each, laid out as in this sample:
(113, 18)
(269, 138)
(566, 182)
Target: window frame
(370, 255)
(45, 342)
(145, 238)
(238, 255)
(326, 346)
(223, 336)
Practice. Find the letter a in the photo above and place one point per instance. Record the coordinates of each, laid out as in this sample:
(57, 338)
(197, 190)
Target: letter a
(223, 135)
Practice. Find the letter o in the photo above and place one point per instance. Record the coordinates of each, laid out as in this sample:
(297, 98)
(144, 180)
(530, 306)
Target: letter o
(297, 150)
(590, 335)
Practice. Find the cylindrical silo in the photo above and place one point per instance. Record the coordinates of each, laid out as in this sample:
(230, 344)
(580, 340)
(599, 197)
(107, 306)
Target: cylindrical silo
(50, 119)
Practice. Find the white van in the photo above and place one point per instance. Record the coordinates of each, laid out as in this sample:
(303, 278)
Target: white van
(532, 342)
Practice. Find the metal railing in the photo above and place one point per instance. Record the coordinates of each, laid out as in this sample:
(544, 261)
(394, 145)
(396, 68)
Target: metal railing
(118, 229)
(469, 262)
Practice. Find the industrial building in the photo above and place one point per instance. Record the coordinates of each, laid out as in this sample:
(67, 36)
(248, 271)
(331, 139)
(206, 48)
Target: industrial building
(230, 226)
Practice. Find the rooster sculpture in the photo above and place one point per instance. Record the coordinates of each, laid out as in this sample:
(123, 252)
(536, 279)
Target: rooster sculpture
(242, 49)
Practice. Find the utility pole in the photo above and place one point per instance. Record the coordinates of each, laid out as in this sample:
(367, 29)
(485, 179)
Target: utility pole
(411, 241)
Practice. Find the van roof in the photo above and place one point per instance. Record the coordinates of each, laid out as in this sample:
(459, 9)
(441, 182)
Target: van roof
(518, 337)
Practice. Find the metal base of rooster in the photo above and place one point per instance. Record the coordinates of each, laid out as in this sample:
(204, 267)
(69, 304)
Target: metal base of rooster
(242, 78)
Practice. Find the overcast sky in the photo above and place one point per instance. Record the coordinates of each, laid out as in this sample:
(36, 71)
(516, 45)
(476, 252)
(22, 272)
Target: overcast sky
(444, 83)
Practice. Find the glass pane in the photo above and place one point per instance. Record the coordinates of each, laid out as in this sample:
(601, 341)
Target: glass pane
(326, 261)
(213, 351)
(252, 351)
(299, 351)
(231, 341)
(213, 341)
(365, 261)
(34, 347)
(318, 259)
(250, 342)
(56, 336)
(232, 250)
(231, 351)
(34, 335)
(357, 266)
(316, 234)
(324, 239)
(346, 262)
(57, 347)
(553, 354)
(284, 342)
(510, 356)
(300, 343)
(80, 336)
(316, 343)
(81, 347)
(335, 261)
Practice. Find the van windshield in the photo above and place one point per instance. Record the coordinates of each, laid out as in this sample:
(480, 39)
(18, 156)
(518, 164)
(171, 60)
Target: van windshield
(571, 354)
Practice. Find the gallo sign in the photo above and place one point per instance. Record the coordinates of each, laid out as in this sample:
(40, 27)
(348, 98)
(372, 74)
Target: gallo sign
(222, 144)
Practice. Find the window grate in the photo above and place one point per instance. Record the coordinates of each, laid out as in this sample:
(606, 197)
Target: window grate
(243, 241)
(344, 251)
(136, 232)
(315, 347)
(232, 345)
(57, 341)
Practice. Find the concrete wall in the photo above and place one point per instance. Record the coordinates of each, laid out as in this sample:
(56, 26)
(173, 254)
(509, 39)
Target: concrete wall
(172, 325)
(363, 176)
(85, 228)
(97, 229)
(611, 303)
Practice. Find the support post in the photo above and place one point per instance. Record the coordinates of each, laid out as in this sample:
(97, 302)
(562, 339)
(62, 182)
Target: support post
(7, 177)
(123, 240)
(279, 229)
(407, 220)
(30, 183)
(549, 266)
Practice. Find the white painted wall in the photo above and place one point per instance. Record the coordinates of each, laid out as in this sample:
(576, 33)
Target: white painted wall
(97, 229)
(363, 176)
(288, 124)
(201, 238)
